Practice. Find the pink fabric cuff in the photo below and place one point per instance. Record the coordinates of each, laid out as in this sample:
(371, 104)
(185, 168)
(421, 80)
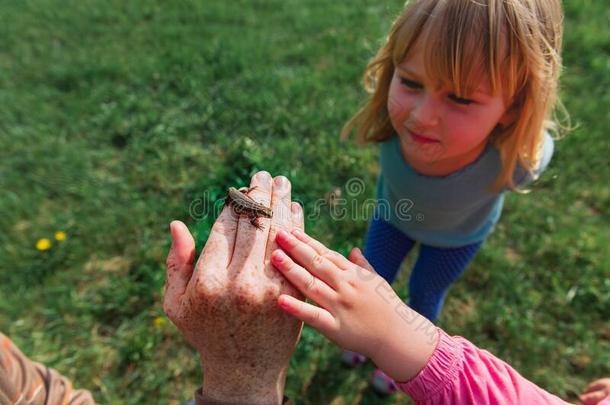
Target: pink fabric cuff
(442, 369)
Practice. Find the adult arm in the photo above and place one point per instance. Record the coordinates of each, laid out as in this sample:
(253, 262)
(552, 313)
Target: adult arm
(225, 304)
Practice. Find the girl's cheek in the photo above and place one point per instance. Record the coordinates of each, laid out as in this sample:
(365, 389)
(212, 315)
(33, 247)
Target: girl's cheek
(393, 107)
(464, 129)
(398, 107)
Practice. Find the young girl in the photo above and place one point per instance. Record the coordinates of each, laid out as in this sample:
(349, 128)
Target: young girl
(461, 97)
(359, 310)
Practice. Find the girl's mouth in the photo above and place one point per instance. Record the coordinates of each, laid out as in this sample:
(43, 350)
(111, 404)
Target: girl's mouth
(422, 139)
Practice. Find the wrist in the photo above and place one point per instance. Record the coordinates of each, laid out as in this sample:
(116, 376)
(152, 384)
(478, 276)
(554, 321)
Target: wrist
(243, 384)
(407, 349)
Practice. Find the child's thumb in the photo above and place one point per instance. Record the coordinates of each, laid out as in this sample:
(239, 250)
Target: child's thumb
(592, 397)
(358, 258)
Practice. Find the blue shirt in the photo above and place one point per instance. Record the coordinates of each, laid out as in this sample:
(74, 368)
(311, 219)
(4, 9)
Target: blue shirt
(445, 211)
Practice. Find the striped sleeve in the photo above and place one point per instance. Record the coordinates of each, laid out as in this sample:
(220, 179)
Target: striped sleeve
(23, 381)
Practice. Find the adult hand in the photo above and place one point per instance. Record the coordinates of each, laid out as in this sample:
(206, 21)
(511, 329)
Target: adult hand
(226, 305)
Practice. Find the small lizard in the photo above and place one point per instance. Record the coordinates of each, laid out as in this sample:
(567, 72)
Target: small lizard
(242, 203)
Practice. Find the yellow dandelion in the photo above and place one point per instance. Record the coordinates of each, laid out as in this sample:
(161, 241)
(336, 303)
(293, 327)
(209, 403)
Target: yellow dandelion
(60, 235)
(159, 322)
(43, 244)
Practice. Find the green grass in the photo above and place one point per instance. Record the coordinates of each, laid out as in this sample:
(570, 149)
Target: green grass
(115, 116)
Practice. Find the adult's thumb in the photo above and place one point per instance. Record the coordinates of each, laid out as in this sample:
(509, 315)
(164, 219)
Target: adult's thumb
(183, 244)
(179, 264)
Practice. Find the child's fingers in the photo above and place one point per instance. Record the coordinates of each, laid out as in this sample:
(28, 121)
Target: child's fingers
(315, 317)
(592, 397)
(601, 384)
(316, 245)
(312, 287)
(315, 263)
(298, 222)
(338, 259)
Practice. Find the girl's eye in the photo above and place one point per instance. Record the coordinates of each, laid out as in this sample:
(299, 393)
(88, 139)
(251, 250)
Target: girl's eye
(410, 84)
(458, 100)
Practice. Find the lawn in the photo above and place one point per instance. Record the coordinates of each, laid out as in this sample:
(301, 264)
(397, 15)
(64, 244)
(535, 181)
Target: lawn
(117, 117)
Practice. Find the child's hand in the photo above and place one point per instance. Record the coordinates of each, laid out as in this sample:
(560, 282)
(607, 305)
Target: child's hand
(596, 391)
(358, 309)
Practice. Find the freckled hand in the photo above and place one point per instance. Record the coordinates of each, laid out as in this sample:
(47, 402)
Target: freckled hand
(225, 304)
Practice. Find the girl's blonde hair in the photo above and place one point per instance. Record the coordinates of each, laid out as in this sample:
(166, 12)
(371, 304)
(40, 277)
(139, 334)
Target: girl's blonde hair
(518, 44)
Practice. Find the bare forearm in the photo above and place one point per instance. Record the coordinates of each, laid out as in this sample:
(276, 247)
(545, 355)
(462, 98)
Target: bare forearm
(243, 384)
(406, 350)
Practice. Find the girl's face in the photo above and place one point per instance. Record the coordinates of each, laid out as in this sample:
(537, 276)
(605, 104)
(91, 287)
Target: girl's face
(439, 132)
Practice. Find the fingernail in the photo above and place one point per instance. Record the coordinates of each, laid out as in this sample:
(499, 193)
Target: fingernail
(295, 208)
(172, 227)
(264, 178)
(297, 232)
(286, 240)
(281, 182)
(277, 256)
(284, 305)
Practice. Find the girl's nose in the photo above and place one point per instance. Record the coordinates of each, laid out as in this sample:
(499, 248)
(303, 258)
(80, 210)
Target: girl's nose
(426, 111)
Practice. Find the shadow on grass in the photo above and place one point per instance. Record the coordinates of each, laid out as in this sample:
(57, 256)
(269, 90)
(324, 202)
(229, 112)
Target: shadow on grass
(334, 383)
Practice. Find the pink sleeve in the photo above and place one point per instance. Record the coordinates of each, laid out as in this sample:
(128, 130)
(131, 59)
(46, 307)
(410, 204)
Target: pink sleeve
(460, 373)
